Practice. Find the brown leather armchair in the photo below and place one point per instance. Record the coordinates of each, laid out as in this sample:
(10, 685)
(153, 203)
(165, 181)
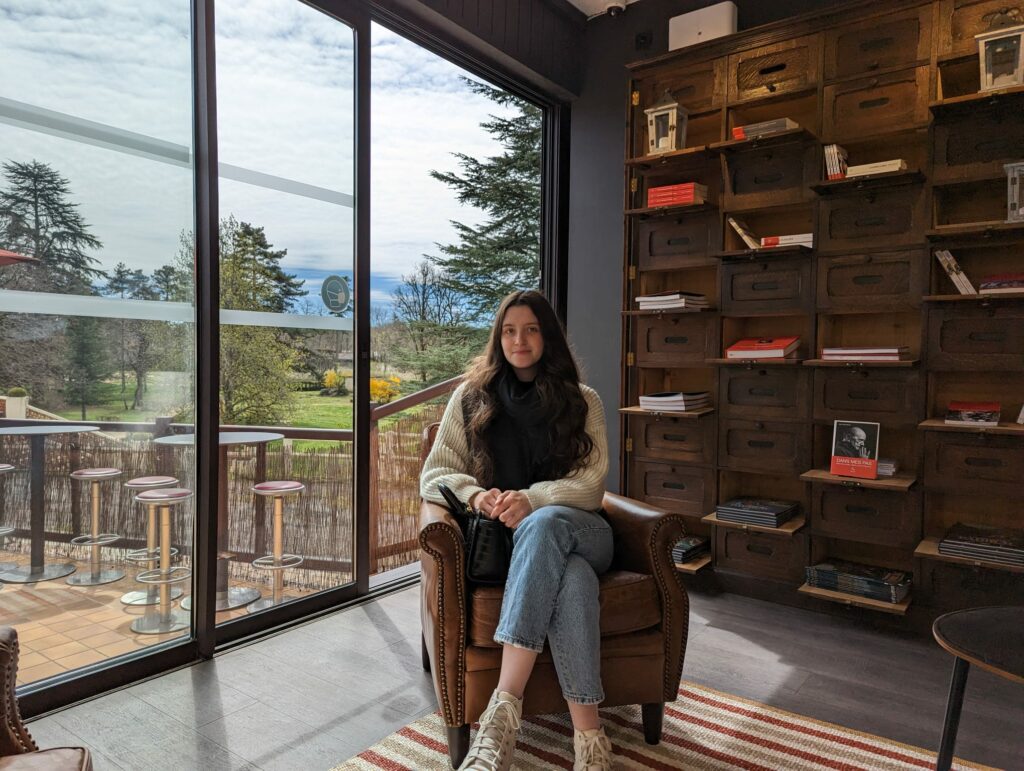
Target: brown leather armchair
(644, 619)
(17, 750)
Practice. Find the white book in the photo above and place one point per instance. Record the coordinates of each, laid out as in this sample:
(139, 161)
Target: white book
(745, 233)
(795, 239)
(671, 294)
(880, 167)
(955, 272)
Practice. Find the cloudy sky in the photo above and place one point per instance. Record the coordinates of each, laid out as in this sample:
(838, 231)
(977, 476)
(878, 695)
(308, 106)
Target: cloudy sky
(285, 108)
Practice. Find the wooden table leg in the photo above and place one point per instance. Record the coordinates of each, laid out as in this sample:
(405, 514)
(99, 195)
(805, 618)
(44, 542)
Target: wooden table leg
(953, 705)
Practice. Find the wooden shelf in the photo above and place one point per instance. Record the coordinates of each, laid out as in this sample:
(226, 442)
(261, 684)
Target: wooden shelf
(667, 413)
(785, 362)
(868, 181)
(768, 140)
(983, 299)
(898, 483)
(691, 262)
(929, 549)
(937, 424)
(860, 364)
(674, 158)
(786, 528)
(654, 211)
(760, 254)
(694, 565)
(670, 311)
(977, 230)
(895, 608)
(969, 102)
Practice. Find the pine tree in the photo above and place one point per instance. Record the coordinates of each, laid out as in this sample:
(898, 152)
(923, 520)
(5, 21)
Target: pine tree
(118, 284)
(503, 253)
(251, 274)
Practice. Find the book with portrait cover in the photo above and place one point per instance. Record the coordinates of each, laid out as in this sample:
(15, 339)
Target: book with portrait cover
(855, 449)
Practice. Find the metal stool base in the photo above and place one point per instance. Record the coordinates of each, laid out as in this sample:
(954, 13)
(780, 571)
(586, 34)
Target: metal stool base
(234, 597)
(153, 623)
(24, 574)
(142, 597)
(90, 578)
(266, 602)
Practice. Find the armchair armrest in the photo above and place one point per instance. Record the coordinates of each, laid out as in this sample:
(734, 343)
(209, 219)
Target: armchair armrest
(443, 606)
(644, 537)
(14, 737)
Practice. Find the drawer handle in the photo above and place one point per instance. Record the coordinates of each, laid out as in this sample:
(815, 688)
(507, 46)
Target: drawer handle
(759, 548)
(876, 44)
(864, 395)
(870, 222)
(679, 241)
(677, 340)
(763, 286)
(871, 104)
(674, 485)
(767, 179)
(761, 443)
(675, 437)
(772, 69)
(987, 337)
(861, 509)
(987, 462)
(761, 391)
(872, 279)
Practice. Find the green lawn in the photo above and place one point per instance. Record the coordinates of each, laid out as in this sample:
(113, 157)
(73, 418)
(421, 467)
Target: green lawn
(315, 411)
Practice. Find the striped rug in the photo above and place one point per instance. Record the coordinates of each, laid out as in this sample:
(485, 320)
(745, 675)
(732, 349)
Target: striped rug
(704, 729)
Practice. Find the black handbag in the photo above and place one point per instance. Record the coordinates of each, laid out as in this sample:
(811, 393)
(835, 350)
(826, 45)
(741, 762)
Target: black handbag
(488, 542)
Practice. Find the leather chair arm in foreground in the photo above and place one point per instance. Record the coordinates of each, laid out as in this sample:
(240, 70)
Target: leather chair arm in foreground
(18, 752)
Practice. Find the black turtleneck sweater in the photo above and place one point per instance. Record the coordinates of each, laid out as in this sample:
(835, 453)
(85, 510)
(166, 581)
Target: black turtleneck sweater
(519, 437)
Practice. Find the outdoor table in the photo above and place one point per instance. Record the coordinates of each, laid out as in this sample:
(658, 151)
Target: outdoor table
(228, 597)
(37, 569)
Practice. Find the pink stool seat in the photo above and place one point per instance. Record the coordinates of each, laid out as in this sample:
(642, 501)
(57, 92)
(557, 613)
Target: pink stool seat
(96, 473)
(5, 467)
(148, 482)
(164, 495)
(279, 488)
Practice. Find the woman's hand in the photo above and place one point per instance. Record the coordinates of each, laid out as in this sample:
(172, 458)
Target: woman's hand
(512, 507)
(484, 501)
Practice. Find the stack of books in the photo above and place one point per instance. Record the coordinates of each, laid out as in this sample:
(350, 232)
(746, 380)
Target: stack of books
(835, 162)
(980, 414)
(881, 167)
(1004, 283)
(993, 544)
(671, 299)
(688, 548)
(754, 130)
(956, 275)
(890, 353)
(763, 348)
(884, 584)
(683, 194)
(794, 239)
(887, 467)
(757, 511)
(676, 401)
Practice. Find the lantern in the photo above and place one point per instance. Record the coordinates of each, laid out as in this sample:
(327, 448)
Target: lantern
(999, 53)
(666, 126)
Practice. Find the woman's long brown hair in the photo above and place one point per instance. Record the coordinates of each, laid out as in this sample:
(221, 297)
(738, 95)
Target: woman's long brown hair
(558, 390)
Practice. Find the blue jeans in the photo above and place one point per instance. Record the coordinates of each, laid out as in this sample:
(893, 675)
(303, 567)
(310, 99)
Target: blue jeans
(552, 593)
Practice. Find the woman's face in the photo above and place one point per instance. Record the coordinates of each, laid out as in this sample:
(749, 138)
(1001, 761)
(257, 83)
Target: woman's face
(521, 341)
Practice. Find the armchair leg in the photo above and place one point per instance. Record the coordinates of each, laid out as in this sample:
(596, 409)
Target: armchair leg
(425, 657)
(458, 743)
(653, 715)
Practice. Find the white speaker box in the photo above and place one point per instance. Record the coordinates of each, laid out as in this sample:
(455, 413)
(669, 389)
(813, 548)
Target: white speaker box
(697, 26)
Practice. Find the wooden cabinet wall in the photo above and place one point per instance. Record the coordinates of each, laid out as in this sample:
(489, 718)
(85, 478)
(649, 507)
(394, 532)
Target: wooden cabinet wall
(892, 80)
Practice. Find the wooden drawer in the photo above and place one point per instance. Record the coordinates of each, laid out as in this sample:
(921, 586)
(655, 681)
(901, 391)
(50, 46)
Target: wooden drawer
(681, 489)
(767, 446)
(890, 217)
(771, 177)
(698, 88)
(961, 20)
(669, 438)
(776, 69)
(665, 243)
(768, 286)
(761, 554)
(685, 340)
(976, 338)
(877, 105)
(890, 396)
(892, 281)
(980, 142)
(985, 464)
(952, 587)
(868, 516)
(879, 43)
(768, 392)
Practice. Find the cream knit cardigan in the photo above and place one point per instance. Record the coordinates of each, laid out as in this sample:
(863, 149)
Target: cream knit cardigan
(448, 462)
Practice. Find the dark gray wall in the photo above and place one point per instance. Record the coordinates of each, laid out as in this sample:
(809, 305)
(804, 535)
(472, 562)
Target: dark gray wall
(596, 180)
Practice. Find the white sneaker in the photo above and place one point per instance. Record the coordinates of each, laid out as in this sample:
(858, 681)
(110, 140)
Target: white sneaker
(593, 750)
(495, 741)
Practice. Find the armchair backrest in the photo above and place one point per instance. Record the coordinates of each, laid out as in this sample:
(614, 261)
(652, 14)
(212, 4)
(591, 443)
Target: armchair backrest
(14, 737)
(429, 435)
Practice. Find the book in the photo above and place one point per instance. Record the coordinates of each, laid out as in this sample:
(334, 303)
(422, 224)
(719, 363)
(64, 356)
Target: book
(796, 239)
(994, 540)
(765, 512)
(867, 351)
(1020, 416)
(895, 353)
(973, 414)
(855, 449)
(879, 583)
(763, 348)
(835, 162)
(754, 130)
(953, 270)
(751, 240)
(671, 294)
(887, 467)
(682, 188)
(880, 167)
(675, 400)
(688, 547)
(1004, 283)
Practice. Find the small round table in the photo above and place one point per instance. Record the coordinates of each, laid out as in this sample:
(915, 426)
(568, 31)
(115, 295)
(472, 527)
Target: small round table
(37, 569)
(228, 597)
(993, 639)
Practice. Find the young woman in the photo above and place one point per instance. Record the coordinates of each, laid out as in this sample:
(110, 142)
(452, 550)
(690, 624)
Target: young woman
(524, 441)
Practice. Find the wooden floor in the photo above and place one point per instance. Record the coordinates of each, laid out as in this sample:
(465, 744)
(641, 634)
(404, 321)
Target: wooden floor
(313, 696)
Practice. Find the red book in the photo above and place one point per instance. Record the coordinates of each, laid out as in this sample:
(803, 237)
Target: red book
(855, 449)
(682, 187)
(762, 348)
(673, 201)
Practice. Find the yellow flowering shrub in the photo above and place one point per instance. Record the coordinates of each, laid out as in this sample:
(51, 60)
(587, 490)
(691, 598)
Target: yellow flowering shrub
(383, 390)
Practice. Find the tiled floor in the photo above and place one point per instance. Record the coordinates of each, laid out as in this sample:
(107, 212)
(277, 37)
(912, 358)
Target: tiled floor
(315, 695)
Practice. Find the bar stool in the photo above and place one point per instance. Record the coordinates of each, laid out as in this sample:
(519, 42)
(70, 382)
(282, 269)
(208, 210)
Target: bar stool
(6, 468)
(277, 561)
(167, 619)
(95, 539)
(150, 556)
